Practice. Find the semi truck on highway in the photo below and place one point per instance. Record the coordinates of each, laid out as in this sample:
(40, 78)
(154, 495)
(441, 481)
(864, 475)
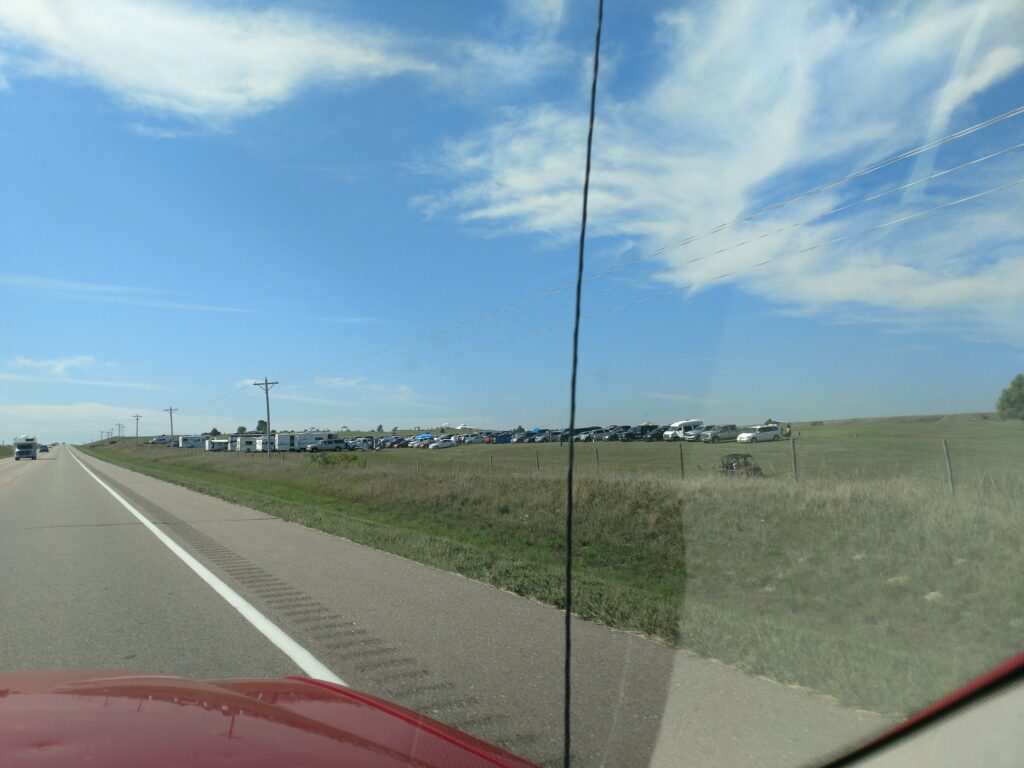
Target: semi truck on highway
(25, 447)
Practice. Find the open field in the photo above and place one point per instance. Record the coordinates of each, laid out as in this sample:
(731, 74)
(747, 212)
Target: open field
(868, 579)
(6, 450)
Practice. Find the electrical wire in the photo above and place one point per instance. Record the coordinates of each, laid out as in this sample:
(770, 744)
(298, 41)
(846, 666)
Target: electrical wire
(860, 172)
(398, 348)
(567, 709)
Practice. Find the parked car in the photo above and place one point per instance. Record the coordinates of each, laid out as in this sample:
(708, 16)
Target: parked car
(615, 433)
(474, 438)
(656, 434)
(335, 444)
(444, 442)
(502, 438)
(694, 434)
(716, 434)
(522, 437)
(639, 432)
(759, 434)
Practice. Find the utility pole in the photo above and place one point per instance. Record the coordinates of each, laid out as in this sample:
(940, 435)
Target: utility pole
(120, 429)
(136, 417)
(171, 411)
(266, 386)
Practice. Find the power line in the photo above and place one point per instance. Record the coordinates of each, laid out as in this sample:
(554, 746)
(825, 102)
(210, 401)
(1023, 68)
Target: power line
(567, 682)
(136, 417)
(860, 172)
(397, 348)
(732, 273)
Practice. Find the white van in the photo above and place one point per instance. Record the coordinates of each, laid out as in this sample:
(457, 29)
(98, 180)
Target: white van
(759, 434)
(677, 429)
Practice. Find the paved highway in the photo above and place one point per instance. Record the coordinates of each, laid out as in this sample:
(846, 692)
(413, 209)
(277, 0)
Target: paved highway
(102, 567)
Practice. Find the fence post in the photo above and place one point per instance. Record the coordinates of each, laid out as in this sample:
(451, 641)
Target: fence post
(491, 457)
(682, 467)
(597, 455)
(792, 445)
(949, 466)
(538, 463)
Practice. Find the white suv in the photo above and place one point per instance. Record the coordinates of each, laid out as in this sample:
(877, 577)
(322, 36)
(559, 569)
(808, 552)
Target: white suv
(759, 434)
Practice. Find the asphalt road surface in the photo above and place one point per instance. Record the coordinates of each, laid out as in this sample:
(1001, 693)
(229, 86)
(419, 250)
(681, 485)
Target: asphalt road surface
(86, 583)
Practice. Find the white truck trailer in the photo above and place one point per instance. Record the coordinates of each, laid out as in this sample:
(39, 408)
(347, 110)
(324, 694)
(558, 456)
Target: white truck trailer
(25, 447)
(191, 441)
(245, 444)
(218, 444)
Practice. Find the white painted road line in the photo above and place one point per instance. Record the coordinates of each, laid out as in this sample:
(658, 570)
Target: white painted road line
(305, 660)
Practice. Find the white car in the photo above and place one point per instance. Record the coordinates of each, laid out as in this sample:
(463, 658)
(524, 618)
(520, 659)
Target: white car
(759, 434)
(445, 442)
(474, 438)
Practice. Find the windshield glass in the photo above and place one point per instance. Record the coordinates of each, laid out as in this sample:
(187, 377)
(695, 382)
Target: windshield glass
(227, 221)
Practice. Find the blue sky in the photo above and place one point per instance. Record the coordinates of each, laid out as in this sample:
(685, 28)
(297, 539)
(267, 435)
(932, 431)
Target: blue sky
(377, 205)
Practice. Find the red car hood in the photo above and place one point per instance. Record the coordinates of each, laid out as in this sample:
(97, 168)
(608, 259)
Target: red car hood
(108, 718)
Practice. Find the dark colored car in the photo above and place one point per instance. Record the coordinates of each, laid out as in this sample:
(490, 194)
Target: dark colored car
(502, 438)
(87, 717)
(655, 434)
(616, 433)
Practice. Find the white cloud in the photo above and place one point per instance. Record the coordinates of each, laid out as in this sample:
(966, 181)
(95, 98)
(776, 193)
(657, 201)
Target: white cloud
(56, 367)
(684, 398)
(357, 381)
(195, 60)
(756, 101)
(75, 422)
(377, 394)
(361, 320)
(111, 294)
(546, 14)
(56, 371)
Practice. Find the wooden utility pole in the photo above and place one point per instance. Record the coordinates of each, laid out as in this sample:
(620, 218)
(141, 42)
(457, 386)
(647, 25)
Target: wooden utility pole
(266, 387)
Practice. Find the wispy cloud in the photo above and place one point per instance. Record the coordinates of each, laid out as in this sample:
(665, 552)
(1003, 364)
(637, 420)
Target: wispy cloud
(310, 400)
(379, 394)
(755, 102)
(355, 320)
(195, 60)
(357, 381)
(111, 294)
(56, 371)
(33, 282)
(56, 367)
(684, 398)
(158, 132)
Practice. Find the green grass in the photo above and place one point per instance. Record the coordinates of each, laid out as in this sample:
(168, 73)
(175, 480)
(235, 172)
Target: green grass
(868, 580)
(6, 450)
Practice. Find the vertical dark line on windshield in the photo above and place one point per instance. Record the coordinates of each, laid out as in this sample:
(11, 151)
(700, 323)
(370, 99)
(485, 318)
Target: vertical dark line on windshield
(567, 719)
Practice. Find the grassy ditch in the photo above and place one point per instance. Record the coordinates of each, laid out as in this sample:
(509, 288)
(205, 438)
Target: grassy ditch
(885, 592)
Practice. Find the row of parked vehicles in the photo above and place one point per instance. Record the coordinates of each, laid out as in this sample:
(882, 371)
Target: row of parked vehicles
(690, 430)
